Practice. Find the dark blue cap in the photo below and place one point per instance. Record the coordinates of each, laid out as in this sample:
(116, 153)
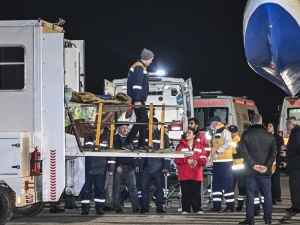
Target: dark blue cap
(214, 118)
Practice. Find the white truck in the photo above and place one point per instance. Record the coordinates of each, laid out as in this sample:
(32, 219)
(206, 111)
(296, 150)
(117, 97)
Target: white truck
(39, 160)
(176, 93)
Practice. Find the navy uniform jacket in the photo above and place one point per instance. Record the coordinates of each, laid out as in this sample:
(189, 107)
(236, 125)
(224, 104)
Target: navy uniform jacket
(99, 165)
(157, 164)
(118, 142)
(137, 82)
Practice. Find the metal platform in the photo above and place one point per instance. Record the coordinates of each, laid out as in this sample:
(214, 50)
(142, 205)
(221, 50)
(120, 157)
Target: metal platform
(165, 153)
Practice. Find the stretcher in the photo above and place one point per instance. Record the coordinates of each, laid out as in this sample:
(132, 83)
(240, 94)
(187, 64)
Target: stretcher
(173, 191)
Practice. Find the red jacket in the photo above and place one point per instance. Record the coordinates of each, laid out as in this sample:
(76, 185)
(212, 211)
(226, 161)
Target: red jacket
(202, 139)
(185, 172)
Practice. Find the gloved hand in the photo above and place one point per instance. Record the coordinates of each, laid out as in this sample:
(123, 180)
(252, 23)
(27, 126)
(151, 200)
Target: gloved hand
(215, 156)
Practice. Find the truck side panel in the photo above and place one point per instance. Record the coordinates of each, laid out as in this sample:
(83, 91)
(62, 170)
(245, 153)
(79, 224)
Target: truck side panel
(53, 147)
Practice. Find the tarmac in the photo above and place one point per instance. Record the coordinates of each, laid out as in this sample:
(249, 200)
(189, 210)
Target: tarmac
(172, 216)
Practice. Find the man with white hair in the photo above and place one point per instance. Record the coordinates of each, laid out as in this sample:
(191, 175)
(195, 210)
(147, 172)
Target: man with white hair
(258, 148)
(292, 153)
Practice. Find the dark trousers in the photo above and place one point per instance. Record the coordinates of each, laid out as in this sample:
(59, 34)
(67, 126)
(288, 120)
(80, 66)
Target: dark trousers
(252, 185)
(191, 195)
(141, 117)
(138, 177)
(239, 179)
(223, 180)
(294, 183)
(86, 192)
(157, 178)
(275, 181)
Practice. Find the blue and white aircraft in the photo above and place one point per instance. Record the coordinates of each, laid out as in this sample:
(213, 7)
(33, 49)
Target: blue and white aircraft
(272, 41)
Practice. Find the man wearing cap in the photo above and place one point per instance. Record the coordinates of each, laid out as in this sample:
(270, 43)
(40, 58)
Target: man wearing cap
(125, 169)
(258, 148)
(221, 159)
(138, 89)
(292, 154)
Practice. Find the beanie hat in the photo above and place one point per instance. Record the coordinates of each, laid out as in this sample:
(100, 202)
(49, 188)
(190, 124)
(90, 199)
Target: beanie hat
(146, 54)
(233, 129)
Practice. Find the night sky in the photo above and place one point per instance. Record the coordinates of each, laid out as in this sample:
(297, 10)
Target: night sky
(190, 38)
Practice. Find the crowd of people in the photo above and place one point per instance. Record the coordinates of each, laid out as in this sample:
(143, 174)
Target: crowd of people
(252, 162)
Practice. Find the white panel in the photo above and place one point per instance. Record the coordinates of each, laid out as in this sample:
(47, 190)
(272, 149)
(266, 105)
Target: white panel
(16, 112)
(14, 149)
(53, 117)
(72, 68)
(80, 45)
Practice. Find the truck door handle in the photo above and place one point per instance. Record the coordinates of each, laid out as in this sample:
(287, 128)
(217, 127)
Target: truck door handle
(16, 145)
(16, 167)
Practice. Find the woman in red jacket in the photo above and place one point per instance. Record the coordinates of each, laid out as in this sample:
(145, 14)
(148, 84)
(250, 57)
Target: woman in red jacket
(190, 171)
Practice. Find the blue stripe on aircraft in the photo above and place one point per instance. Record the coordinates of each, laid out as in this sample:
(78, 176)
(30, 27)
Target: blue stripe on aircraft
(272, 45)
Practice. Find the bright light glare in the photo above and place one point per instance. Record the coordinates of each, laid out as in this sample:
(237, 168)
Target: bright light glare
(160, 72)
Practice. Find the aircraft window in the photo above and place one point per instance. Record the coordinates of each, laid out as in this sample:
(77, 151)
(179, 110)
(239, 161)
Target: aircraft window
(12, 67)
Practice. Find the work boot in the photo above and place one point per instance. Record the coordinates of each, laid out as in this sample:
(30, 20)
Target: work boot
(239, 206)
(56, 209)
(100, 211)
(129, 147)
(85, 212)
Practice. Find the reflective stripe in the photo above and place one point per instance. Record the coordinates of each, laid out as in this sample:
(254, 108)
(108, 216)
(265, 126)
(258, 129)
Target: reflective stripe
(217, 199)
(156, 141)
(198, 139)
(139, 192)
(137, 87)
(229, 200)
(207, 149)
(218, 135)
(135, 141)
(228, 194)
(139, 196)
(145, 72)
(185, 150)
(103, 145)
(238, 167)
(223, 160)
(85, 201)
(89, 143)
(233, 144)
(217, 193)
(111, 162)
(99, 200)
(203, 156)
(197, 150)
(262, 197)
(240, 197)
(256, 201)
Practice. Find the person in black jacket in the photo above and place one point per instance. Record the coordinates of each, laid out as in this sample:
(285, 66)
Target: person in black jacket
(292, 153)
(138, 89)
(275, 180)
(258, 148)
(95, 172)
(125, 169)
(154, 168)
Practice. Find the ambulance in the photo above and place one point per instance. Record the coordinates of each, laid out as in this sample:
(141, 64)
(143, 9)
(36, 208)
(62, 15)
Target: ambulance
(290, 107)
(231, 110)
